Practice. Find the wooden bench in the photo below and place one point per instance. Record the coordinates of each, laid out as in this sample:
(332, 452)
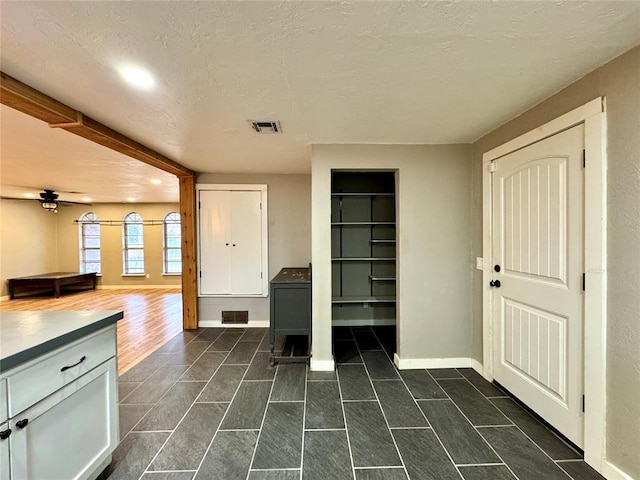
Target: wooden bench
(50, 281)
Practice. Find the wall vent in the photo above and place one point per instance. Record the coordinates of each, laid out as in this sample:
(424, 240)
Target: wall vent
(265, 127)
(235, 316)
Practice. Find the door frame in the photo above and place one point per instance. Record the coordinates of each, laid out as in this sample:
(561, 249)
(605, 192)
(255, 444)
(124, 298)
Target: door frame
(593, 116)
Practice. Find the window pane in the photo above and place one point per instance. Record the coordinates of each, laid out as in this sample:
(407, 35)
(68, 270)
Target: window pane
(174, 267)
(174, 254)
(91, 229)
(92, 255)
(92, 242)
(173, 242)
(92, 267)
(173, 229)
(135, 255)
(134, 241)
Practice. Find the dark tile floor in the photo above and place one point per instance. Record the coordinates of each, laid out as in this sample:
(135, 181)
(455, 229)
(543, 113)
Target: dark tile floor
(207, 405)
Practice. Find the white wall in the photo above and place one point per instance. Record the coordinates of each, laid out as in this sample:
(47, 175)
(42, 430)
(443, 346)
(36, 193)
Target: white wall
(28, 240)
(289, 213)
(434, 247)
(619, 82)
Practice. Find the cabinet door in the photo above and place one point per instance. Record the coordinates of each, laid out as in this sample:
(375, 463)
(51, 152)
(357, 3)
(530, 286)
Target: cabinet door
(246, 237)
(4, 454)
(215, 242)
(71, 432)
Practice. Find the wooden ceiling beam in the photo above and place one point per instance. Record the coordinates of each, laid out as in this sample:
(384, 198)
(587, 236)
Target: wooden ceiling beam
(22, 97)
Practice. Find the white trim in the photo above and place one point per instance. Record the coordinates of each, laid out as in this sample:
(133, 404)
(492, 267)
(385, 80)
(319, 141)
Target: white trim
(218, 323)
(593, 116)
(322, 365)
(136, 287)
(611, 472)
(264, 206)
(363, 322)
(422, 363)
(3, 298)
(568, 120)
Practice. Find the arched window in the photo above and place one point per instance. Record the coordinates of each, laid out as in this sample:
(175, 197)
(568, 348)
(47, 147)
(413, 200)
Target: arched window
(133, 244)
(89, 243)
(172, 243)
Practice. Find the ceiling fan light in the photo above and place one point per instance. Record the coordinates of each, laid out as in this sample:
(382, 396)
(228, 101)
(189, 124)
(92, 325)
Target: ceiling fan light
(49, 206)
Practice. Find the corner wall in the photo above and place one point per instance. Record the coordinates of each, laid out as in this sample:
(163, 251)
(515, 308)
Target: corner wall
(433, 250)
(289, 214)
(619, 82)
(28, 240)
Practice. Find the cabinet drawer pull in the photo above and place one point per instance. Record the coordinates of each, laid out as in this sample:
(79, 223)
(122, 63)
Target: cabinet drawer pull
(4, 434)
(22, 423)
(74, 365)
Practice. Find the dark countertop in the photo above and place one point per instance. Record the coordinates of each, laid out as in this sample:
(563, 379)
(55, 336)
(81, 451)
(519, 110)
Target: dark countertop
(293, 275)
(27, 335)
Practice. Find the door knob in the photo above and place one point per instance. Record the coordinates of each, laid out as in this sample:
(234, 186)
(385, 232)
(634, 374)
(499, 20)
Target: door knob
(4, 434)
(496, 268)
(494, 283)
(22, 423)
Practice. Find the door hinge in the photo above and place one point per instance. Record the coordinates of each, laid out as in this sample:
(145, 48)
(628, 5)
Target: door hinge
(198, 204)
(200, 273)
(260, 205)
(582, 403)
(492, 167)
(584, 282)
(260, 274)
(584, 159)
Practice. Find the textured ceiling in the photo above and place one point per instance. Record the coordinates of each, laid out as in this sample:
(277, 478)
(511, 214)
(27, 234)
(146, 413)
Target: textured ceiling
(35, 157)
(331, 72)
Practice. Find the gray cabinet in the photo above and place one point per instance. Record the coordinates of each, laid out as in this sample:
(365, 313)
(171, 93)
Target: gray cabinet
(363, 247)
(290, 304)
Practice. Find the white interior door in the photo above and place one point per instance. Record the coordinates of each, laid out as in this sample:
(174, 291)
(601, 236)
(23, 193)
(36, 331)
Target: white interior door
(538, 243)
(246, 241)
(215, 242)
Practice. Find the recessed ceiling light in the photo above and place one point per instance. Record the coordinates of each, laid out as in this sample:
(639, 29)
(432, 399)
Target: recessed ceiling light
(156, 181)
(29, 195)
(131, 199)
(86, 199)
(138, 77)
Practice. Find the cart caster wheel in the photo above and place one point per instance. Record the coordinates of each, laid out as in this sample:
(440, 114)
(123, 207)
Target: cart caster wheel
(272, 361)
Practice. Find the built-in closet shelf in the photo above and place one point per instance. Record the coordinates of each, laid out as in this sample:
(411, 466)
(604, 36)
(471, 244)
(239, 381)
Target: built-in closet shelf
(375, 240)
(362, 194)
(362, 223)
(382, 279)
(363, 259)
(375, 299)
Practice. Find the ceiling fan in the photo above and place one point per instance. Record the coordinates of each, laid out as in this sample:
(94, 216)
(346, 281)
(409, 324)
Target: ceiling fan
(49, 200)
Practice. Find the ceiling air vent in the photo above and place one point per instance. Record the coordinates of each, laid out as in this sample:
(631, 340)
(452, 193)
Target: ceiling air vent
(266, 127)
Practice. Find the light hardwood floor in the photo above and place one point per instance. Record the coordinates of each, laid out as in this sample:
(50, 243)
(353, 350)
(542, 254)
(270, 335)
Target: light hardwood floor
(151, 317)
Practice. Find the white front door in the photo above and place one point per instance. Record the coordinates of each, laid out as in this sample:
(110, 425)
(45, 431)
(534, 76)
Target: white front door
(538, 248)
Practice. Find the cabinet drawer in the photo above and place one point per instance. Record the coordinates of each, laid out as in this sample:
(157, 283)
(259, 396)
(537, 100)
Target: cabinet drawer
(47, 374)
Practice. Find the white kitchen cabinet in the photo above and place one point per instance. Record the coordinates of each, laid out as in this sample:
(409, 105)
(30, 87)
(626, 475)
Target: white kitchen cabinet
(63, 411)
(4, 451)
(232, 247)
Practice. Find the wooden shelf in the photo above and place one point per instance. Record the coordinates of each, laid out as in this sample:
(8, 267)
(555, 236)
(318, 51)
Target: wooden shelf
(363, 259)
(363, 223)
(362, 194)
(378, 299)
(375, 240)
(382, 279)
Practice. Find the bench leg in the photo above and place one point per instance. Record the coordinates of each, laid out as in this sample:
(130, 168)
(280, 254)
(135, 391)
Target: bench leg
(56, 288)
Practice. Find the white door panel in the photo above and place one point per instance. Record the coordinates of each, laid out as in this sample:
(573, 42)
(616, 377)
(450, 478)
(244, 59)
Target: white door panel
(215, 242)
(538, 242)
(246, 251)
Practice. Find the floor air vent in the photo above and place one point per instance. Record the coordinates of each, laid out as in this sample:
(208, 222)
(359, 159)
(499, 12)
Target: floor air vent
(235, 316)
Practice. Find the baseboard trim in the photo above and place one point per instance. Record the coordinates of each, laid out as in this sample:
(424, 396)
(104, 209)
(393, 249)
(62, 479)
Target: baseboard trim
(611, 472)
(364, 322)
(136, 287)
(422, 363)
(219, 324)
(2, 299)
(323, 365)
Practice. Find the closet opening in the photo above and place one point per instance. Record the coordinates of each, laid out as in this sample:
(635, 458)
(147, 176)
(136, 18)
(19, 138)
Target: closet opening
(363, 259)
